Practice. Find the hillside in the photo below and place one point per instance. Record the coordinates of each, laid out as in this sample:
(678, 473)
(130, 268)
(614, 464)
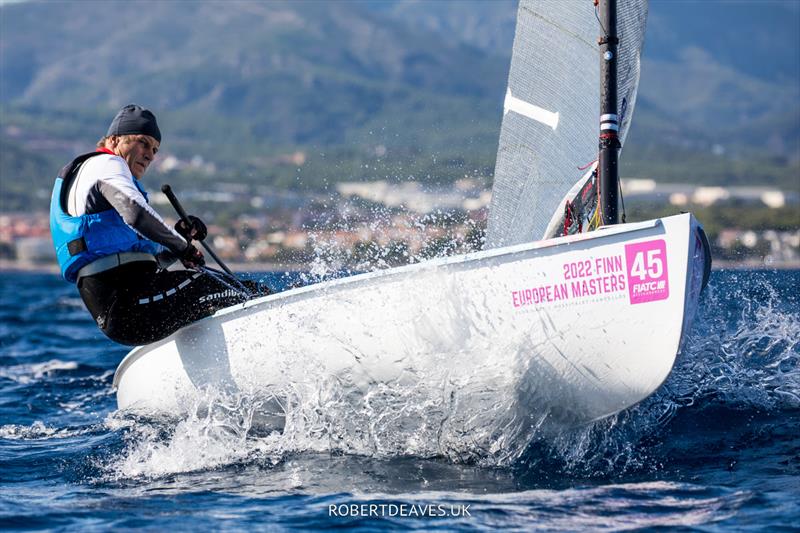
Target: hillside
(396, 89)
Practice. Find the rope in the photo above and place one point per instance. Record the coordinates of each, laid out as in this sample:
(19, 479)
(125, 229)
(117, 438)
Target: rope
(597, 16)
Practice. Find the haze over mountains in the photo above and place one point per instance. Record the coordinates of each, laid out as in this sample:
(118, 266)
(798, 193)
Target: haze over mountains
(403, 87)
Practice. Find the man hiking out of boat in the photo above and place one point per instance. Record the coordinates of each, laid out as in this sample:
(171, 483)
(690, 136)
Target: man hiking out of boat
(116, 248)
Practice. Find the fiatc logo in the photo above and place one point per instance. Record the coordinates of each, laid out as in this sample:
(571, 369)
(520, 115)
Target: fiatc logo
(647, 271)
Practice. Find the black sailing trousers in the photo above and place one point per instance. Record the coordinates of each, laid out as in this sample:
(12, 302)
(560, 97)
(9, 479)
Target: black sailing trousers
(138, 303)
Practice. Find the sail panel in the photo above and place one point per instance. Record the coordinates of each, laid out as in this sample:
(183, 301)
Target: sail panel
(552, 106)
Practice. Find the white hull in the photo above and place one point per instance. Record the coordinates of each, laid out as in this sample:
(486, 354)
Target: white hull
(549, 330)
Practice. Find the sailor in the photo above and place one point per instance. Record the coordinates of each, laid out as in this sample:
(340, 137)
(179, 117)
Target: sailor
(112, 243)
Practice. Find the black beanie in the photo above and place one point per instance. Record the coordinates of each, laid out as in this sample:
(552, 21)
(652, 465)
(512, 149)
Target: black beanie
(135, 120)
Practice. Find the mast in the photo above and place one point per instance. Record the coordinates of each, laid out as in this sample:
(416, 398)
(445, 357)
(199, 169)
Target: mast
(608, 164)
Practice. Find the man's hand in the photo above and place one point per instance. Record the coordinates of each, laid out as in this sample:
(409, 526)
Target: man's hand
(195, 230)
(191, 257)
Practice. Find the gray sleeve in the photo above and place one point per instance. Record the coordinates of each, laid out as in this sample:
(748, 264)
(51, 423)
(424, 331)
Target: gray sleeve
(136, 212)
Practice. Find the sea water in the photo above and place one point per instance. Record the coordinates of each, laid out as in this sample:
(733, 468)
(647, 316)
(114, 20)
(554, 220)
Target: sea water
(717, 447)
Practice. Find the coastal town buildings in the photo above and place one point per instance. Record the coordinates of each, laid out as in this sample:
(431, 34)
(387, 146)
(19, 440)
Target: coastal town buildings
(369, 224)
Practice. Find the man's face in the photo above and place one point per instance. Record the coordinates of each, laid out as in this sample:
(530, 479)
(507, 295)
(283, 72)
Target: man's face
(138, 151)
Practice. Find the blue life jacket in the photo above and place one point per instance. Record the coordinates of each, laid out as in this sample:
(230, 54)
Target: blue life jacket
(79, 240)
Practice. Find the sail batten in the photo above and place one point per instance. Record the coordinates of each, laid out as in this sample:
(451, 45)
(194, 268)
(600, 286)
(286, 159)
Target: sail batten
(555, 71)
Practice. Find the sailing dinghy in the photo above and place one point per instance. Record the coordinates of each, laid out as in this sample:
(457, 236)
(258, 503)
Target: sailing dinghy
(572, 328)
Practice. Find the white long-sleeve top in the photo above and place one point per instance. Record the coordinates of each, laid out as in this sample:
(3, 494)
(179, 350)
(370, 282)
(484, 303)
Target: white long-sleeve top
(105, 182)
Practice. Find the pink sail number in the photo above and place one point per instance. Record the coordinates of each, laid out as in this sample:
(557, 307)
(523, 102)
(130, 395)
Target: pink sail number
(647, 271)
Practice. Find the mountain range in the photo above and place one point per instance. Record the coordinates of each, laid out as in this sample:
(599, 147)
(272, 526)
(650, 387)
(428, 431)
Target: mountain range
(372, 89)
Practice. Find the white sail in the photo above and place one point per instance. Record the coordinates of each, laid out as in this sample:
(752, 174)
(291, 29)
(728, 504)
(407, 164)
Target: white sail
(552, 109)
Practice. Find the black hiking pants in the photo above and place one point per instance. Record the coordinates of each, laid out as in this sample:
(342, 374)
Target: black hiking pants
(138, 303)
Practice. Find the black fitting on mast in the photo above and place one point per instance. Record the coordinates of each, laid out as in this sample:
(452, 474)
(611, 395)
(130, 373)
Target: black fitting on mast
(608, 159)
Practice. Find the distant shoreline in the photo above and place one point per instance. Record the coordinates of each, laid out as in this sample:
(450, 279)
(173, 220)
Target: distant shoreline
(7, 265)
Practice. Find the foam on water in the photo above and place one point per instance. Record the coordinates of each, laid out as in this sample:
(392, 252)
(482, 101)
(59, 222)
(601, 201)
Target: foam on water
(216, 435)
(388, 421)
(41, 431)
(37, 430)
(28, 373)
